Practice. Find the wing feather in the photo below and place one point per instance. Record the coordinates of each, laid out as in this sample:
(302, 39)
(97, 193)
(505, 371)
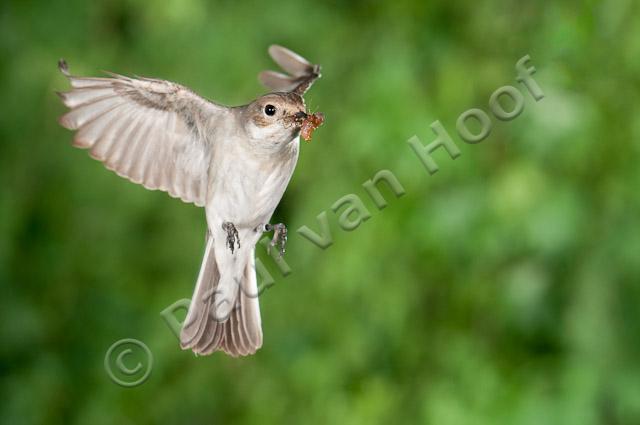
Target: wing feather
(300, 72)
(290, 61)
(103, 142)
(152, 132)
(85, 95)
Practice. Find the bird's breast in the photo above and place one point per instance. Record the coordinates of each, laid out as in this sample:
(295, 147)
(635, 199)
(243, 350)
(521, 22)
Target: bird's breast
(247, 190)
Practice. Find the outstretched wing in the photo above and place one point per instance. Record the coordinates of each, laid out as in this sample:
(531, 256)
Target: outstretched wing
(152, 132)
(301, 73)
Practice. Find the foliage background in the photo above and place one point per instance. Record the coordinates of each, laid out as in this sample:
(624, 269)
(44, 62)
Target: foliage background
(502, 290)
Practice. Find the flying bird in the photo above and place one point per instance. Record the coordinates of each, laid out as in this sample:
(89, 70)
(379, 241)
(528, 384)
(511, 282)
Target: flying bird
(235, 162)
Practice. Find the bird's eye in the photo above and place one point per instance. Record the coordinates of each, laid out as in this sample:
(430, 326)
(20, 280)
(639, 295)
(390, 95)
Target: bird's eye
(270, 110)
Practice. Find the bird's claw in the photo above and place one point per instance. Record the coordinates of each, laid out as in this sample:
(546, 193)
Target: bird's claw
(232, 235)
(279, 237)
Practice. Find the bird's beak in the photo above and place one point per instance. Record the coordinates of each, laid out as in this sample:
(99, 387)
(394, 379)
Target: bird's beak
(300, 117)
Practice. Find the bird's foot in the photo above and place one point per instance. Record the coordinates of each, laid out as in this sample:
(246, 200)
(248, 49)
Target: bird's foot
(232, 235)
(279, 237)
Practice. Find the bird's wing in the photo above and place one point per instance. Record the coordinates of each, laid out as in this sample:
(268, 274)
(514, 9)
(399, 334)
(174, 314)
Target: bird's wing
(301, 73)
(152, 132)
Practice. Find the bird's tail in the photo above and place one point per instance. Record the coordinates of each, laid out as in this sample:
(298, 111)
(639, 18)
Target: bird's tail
(239, 332)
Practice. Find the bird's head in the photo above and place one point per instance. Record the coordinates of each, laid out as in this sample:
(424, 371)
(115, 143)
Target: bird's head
(274, 120)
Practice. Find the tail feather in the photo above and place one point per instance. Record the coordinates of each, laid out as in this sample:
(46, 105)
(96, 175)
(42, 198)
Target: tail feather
(237, 334)
(195, 322)
(249, 305)
(244, 334)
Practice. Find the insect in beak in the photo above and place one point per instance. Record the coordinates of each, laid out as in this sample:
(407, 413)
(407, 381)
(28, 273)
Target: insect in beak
(309, 125)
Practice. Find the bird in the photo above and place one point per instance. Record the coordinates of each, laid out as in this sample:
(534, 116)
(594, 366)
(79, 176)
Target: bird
(234, 161)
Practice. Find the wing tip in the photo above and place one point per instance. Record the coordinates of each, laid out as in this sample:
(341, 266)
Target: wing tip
(66, 122)
(275, 47)
(63, 66)
(62, 95)
(82, 142)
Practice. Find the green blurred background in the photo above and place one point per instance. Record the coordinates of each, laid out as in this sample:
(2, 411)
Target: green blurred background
(502, 290)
